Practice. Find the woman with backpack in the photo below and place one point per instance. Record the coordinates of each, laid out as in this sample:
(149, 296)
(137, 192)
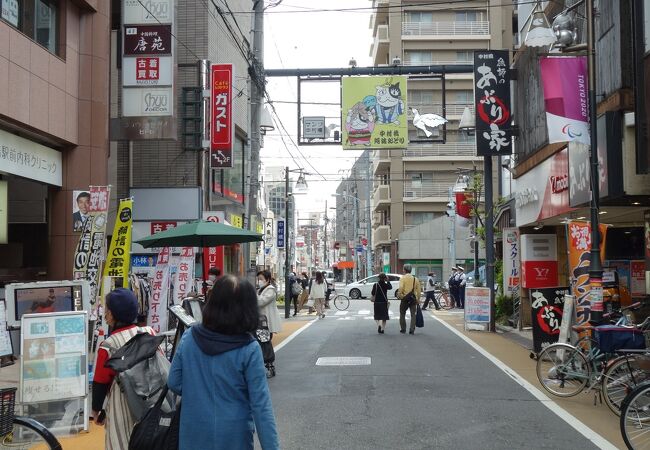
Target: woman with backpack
(121, 314)
(380, 295)
(267, 296)
(217, 363)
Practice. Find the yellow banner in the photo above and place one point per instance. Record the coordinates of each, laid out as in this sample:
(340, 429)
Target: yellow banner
(118, 258)
(236, 221)
(374, 112)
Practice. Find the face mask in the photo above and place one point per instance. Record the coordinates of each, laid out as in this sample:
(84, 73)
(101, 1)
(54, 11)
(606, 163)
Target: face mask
(212, 278)
(260, 283)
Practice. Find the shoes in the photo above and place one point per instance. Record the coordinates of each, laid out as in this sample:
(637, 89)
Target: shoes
(411, 332)
(424, 309)
(322, 316)
(294, 314)
(402, 331)
(437, 309)
(379, 329)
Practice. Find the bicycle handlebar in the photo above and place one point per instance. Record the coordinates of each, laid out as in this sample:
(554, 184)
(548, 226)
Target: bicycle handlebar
(40, 429)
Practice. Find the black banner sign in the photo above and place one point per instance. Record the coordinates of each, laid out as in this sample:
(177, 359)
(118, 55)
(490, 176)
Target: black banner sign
(147, 40)
(547, 306)
(492, 102)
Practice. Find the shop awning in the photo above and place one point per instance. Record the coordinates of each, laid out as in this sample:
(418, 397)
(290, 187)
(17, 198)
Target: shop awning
(200, 234)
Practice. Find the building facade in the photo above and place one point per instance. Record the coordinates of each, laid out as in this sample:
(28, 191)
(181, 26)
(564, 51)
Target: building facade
(54, 101)
(412, 186)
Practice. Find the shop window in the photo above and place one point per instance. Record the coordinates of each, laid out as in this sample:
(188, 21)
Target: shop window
(40, 20)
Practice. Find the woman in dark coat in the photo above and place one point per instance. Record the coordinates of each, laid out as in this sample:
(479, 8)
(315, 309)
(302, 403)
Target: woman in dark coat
(380, 292)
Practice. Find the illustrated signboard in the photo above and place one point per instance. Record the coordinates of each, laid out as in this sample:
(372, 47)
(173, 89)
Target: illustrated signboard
(547, 306)
(374, 112)
(54, 356)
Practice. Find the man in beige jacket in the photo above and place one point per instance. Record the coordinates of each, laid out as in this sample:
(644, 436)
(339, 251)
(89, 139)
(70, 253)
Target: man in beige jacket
(409, 294)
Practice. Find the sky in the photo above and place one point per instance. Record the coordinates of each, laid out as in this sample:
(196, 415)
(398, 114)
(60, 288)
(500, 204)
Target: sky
(313, 39)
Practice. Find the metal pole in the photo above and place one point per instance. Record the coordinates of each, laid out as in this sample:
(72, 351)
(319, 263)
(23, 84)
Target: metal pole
(595, 267)
(355, 222)
(256, 101)
(325, 248)
(489, 237)
(287, 288)
(452, 240)
(203, 70)
(368, 224)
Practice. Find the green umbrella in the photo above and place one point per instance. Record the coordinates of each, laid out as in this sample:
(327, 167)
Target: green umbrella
(200, 234)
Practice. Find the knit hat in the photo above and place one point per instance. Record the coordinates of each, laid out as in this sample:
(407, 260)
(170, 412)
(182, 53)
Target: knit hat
(123, 305)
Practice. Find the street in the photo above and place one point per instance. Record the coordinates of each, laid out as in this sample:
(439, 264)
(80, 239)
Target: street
(429, 390)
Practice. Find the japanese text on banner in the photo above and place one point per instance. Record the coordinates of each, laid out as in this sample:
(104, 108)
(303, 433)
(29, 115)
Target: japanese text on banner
(118, 259)
(157, 314)
(184, 274)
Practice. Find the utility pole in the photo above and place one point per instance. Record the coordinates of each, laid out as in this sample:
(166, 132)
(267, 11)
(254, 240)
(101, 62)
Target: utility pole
(203, 69)
(287, 229)
(489, 238)
(325, 249)
(368, 216)
(452, 239)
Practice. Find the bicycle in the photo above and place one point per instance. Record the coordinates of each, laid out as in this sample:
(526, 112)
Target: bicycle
(443, 298)
(341, 302)
(635, 418)
(18, 432)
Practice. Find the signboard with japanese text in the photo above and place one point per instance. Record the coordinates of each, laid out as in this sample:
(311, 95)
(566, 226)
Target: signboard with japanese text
(89, 253)
(637, 278)
(147, 40)
(149, 11)
(236, 221)
(313, 127)
(157, 315)
(143, 260)
(547, 306)
(373, 110)
(280, 233)
(221, 125)
(184, 275)
(157, 227)
(10, 11)
(492, 101)
(119, 253)
(477, 304)
(27, 159)
(148, 71)
(147, 101)
(511, 263)
(539, 261)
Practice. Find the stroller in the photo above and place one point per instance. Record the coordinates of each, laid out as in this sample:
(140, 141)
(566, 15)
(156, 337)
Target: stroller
(263, 336)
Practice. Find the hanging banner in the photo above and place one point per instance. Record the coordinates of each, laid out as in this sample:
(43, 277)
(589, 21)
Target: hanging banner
(373, 110)
(492, 102)
(511, 263)
(579, 244)
(564, 80)
(184, 277)
(547, 306)
(221, 125)
(463, 207)
(119, 253)
(90, 248)
(157, 315)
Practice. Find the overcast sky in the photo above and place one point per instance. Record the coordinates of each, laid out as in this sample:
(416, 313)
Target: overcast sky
(312, 39)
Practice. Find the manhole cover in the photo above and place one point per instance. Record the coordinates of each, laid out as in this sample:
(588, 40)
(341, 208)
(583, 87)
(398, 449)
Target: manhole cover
(343, 361)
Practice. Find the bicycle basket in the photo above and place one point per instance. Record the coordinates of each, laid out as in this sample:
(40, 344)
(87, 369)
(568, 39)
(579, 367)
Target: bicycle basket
(611, 338)
(7, 404)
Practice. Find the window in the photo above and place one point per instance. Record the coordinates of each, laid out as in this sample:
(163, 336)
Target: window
(465, 56)
(418, 218)
(421, 17)
(418, 57)
(469, 16)
(418, 97)
(38, 19)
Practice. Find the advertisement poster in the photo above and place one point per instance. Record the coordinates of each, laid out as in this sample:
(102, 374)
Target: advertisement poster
(221, 126)
(547, 306)
(89, 255)
(579, 244)
(184, 276)
(119, 253)
(539, 262)
(477, 304)
(374, 112)
(637, 278)
(492, 101)
(157, 315)
(54, 361)
(564, 80)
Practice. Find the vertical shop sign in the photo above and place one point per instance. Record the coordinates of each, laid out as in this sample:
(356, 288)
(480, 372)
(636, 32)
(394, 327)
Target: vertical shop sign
(646, 233)
(184, 275)
(637, 278)
(221, 127)
(492, 102)
(280, 231)
(579, 244)
(157, 315)
(547, 306)
(511, 263)
(90, 248)
(119, 253)
(539, 265)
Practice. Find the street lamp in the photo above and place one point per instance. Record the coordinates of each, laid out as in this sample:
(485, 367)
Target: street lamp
(301, 187)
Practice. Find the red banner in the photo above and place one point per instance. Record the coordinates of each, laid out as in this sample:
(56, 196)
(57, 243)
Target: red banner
(463, 207)
(221, 126)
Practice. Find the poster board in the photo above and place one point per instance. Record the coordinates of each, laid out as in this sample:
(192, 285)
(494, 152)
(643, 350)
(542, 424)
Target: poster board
(547, 311)
(477, 305)
(53, 364)
(6, 348)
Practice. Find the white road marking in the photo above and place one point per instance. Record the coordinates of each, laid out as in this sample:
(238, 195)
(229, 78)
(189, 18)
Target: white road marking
(292, 336)
(341, 313)
(562, 413)
(363, 312)
(344, 361)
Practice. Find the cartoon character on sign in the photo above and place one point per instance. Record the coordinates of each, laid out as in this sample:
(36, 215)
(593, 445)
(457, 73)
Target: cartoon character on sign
(360, 121)
(389, 103)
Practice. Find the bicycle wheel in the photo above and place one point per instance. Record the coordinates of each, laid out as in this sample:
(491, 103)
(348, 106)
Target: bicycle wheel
(621, 376)
(635, 418)
(29, 434)
(444, 301)
(341, 302)
(563, 370)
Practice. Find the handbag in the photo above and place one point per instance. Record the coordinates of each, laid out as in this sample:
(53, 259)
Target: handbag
(372, 296)
(410, 297)
(158, 428)
(419, 318)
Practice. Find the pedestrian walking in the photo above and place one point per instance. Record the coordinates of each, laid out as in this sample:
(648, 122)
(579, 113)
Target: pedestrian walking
(317, 289)
(121, 314)
(267, 296)
(329, 290)
(304, 283)
(409, 294)
(295, 289)
(218, 370)
(453, 289)
(461, 282)
(430, 292)
(380, 296)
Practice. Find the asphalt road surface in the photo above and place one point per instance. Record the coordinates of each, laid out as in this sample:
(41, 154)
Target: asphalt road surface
(430, 390)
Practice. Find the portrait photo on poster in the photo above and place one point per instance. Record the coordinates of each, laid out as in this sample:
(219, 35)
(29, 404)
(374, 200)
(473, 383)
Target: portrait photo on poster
(80, 209)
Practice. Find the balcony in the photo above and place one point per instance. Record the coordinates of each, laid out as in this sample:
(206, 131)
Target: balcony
(450, 149)
(439, 63)
(427, 189)
(381, 236)
(445, 29)
(380, 161)
(381, 43)
(381, 197)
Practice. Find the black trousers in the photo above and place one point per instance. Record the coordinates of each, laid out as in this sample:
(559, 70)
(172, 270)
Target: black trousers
(431, 296)
(294, 300)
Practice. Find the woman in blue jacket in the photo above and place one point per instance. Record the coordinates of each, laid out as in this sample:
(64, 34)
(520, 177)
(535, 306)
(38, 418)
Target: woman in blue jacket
(219, 371)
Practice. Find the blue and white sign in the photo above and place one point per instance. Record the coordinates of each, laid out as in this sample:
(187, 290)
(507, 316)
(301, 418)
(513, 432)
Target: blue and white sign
(279, 243)
(359, 248)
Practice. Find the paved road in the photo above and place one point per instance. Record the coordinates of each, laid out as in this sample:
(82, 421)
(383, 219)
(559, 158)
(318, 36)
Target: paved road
(429, 390)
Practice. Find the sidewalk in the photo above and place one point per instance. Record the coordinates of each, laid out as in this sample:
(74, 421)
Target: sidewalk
(513, 349)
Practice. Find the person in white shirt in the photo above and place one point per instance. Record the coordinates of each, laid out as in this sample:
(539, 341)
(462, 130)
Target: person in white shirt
(317, 292)
(461, 279)
(430, 292)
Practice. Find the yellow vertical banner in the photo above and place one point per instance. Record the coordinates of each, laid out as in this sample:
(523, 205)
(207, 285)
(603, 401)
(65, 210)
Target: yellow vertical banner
(373, 110)
(118, 259)
(236, 221)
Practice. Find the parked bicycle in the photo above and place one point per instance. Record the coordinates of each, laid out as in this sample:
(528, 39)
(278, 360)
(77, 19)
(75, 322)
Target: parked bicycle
(443, 298)
(17, 432)
(635, 417)
(341, 302)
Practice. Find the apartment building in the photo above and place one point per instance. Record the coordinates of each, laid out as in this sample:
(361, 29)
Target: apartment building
(411, 186)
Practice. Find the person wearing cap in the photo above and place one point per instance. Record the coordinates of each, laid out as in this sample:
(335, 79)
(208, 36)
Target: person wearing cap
(430, 292)
(453, 287)
(461, 281)
(120, 314)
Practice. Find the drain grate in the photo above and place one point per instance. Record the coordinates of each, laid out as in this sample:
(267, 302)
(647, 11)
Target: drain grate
(344, 361)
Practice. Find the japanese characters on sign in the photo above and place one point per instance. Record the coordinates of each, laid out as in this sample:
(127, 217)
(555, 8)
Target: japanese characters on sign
(157, 315)
(492, 100)
(183, 281)
(511, 263)
(157, 227)
(156, 11)
(477, 304)
(313, 127)
(547, 309)
(280, 230)
(119, 253)
(22, 157)
(221, 128)
(148, 71)
(147, 40)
